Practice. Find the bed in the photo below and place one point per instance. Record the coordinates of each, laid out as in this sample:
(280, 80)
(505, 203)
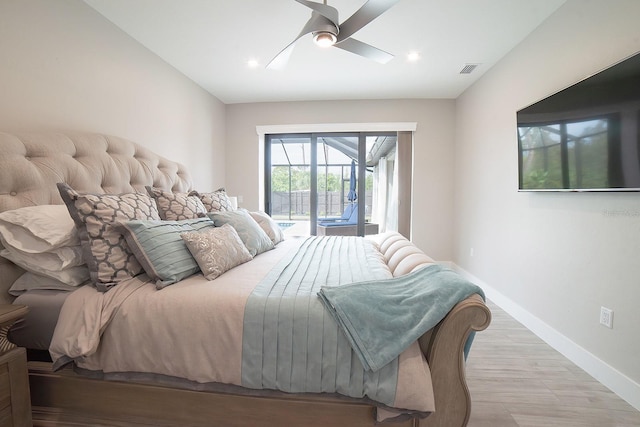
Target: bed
(93, 376)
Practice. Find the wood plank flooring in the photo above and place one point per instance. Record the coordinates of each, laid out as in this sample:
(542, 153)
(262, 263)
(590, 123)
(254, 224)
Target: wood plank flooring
(517, 380)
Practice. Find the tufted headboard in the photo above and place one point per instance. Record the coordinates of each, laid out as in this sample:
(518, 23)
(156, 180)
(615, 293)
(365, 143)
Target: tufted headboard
(32, 163)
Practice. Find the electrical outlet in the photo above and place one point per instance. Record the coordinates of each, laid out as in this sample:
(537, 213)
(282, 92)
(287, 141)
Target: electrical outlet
(471, 252)
(606, 317)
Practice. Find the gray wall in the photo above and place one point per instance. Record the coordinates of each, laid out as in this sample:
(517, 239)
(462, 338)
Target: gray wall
(433, 153)
(65, 67)
(557, 256)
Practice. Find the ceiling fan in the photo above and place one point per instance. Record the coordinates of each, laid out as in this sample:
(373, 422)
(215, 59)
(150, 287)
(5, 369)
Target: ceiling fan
(326, 30)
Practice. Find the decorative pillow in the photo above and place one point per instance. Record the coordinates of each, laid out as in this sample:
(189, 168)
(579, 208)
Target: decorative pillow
(218, 201)
(254, 237)
(177, 206)
(72, 276)
(160, 250)
(105, 250)
(269, 226)
(37, 229)
(30, 281)
(217, 250)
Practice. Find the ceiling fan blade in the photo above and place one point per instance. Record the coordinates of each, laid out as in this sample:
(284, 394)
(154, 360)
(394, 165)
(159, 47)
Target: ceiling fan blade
(282, 58)
(317, 22)
(367, 13)
(363, 49)
(329, 12)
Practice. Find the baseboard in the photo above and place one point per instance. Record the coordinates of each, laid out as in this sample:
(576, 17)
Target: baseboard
(610, 377)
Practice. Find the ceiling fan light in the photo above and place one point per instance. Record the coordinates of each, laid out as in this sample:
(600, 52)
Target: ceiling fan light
(324, 38)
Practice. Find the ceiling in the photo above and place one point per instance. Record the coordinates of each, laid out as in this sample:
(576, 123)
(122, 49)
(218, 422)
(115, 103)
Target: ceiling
(211, 42)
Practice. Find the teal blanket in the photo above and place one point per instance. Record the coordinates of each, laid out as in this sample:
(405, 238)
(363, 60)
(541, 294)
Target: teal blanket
(381, 318)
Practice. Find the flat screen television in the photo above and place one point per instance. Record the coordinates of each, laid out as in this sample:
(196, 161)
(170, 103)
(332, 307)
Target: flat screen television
(585, 137)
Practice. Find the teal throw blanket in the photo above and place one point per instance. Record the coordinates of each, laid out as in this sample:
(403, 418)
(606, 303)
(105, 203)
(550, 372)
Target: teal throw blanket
(381, 318)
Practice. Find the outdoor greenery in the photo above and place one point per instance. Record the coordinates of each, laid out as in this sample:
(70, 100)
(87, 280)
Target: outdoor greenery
(301, 179)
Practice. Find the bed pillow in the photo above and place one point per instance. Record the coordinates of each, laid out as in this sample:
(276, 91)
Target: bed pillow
(37, 229)
(177, 206)
(72, 276)
(54, 260)
(160, 250)
(217, 201)
(252, 235)
(105, 250)
(30, 281)
(269, 226)
(217, 250)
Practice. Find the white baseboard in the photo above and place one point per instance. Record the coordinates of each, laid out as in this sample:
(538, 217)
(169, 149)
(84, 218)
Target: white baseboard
(610, 377)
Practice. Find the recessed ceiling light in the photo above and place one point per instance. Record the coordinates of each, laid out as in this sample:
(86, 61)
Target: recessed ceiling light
(252, 63)
(413, 56)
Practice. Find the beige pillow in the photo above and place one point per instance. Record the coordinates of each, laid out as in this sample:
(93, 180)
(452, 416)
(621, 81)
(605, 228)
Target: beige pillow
(216, 250)
(269, 226)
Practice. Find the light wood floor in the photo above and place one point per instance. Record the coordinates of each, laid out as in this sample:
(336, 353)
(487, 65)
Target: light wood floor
(517, 380)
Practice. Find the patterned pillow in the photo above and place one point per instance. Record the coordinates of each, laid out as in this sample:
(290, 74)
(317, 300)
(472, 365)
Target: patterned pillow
(105, 250)
(253, 237)
(218, 201)
(269, 226)
(160, 250)
(216, 250)
(177, 206)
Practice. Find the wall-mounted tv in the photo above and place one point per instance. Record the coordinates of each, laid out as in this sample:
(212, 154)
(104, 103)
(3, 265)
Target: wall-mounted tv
(585, 137)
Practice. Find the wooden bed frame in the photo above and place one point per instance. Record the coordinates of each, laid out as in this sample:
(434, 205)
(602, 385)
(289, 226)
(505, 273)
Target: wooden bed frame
(66, 398)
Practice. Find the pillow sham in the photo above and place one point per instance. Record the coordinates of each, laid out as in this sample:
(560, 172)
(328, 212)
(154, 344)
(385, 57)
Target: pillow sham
(253, 237)
(37, 229)
(217, 201)
(269, 226)
(105, 250)
(160, 250)
(216, 250)
(72, 276)
(176, 206)
(54, 260)
(31, 281)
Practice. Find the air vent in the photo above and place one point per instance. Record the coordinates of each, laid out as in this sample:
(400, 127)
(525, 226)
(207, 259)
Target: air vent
(468, 68)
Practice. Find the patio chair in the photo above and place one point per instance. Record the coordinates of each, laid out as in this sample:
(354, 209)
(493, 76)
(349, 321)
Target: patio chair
(349, 217)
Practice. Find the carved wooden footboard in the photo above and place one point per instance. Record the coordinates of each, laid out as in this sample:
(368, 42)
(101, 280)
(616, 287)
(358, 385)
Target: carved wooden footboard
(64, 398)
(444, 350)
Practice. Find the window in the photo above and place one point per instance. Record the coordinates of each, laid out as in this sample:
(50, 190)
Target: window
(311, 179)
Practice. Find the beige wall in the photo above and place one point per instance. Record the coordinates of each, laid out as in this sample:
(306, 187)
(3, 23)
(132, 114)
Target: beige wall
(65, 67)
(560, 256)
(433, 151)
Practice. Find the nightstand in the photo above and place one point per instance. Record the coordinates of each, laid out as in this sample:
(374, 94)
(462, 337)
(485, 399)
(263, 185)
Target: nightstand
(15, 401)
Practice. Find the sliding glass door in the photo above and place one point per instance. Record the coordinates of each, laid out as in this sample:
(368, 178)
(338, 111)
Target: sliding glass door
(326, 183)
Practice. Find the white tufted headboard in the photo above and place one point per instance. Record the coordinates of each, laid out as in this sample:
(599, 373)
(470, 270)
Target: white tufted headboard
(32, 163)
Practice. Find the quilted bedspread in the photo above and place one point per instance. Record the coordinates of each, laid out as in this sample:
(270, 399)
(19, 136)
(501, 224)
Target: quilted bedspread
(260, 326)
